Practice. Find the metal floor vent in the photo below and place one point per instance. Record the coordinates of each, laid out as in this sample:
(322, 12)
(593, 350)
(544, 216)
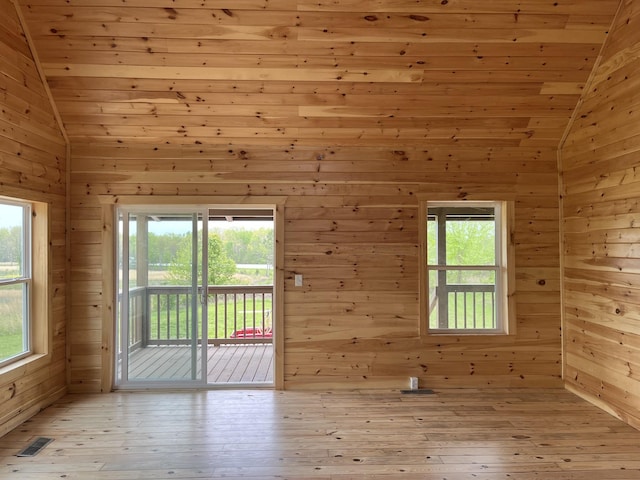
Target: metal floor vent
(418, 391)
(34, 448)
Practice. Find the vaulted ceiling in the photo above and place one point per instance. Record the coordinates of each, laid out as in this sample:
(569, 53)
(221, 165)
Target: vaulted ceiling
(318, 72)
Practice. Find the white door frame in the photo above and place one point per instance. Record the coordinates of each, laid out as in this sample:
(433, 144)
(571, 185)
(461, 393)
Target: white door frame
(109, 243)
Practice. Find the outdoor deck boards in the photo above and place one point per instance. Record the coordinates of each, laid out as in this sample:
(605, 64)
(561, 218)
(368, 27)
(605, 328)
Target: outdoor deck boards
(246, 364)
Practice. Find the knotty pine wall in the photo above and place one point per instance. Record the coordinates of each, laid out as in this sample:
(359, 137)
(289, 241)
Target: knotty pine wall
(600, 222)
(32, 167)
(351, 229)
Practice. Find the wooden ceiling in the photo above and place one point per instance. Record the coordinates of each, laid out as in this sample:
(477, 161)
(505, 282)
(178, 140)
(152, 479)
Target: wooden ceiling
(318, 72)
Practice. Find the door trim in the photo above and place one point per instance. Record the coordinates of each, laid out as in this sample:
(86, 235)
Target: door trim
(109, 243)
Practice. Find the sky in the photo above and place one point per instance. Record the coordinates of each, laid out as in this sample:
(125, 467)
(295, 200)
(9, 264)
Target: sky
(10, 216)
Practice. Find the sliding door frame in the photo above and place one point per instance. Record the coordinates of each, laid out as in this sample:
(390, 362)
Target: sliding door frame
(109, 267)
(195, 215)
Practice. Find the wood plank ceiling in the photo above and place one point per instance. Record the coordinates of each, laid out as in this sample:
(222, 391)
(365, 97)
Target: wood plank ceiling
(318, 72)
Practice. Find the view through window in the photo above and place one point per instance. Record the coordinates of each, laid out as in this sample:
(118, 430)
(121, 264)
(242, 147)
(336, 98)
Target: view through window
(464, 266)
(15, 280)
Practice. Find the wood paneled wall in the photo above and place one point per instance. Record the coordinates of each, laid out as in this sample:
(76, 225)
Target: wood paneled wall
(32, 167)
(351, 230)
(601, 237)
(352, 110)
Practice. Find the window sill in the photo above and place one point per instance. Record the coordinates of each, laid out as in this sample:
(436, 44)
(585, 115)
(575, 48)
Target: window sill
(463, 333)
(35, 360)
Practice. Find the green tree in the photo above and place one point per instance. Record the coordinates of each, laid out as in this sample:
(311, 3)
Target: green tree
(263, 245)
(468, 242)
(237, 244)
(10, 244)
(162, 248)
(249, 246)
(471, 242)
(221, 267)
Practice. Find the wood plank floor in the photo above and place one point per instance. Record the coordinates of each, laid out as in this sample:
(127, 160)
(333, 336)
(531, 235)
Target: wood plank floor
(227, 364)
(267, 434)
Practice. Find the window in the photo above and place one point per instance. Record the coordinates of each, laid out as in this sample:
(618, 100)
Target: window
(466, 267)
(15, 280)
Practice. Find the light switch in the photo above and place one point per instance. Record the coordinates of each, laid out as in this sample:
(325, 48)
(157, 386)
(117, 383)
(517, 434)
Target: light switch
(298, 280)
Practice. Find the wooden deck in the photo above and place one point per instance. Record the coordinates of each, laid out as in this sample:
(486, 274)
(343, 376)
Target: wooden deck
(227, 364)
(267, 434)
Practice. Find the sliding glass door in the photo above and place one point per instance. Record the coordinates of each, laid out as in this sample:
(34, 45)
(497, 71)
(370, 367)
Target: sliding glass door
(162, 295)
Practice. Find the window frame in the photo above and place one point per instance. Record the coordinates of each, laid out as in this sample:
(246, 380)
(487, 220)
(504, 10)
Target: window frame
(25, 278)
(37, 309)
(504, 268)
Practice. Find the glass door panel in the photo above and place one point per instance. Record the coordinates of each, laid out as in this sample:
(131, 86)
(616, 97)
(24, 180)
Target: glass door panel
(160, 301)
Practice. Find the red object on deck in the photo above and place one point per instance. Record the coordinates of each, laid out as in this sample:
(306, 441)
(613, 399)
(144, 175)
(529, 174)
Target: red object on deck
(252, 332)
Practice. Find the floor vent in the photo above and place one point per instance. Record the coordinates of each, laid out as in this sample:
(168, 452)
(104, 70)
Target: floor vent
(34, 448)
(419, 391)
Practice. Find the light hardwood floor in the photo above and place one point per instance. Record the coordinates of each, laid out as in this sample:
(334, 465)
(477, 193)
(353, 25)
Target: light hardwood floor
(257, 434)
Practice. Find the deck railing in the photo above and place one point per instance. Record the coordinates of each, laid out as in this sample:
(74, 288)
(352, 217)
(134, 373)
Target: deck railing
(163, 315)
(463, 307)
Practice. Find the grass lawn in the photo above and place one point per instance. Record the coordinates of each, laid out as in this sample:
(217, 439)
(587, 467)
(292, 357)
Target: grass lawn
(235, 316)
(10, 345)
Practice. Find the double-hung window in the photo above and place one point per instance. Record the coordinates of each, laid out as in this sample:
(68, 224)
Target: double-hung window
(15, 280)
(466, 267)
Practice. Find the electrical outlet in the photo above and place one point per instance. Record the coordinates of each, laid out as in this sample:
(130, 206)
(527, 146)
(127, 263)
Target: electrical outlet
(298, 280)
